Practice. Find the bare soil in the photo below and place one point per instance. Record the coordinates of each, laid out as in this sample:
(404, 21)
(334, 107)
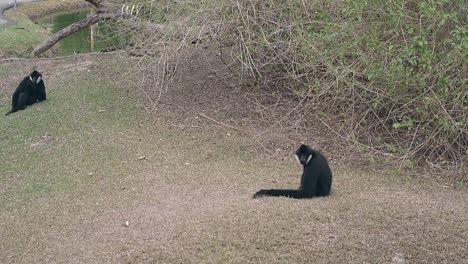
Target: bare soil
(191, 202)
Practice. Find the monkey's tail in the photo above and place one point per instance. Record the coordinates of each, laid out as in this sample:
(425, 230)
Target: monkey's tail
(10, 112)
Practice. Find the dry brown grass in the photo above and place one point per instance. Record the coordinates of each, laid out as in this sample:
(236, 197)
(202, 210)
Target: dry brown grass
(203, 221)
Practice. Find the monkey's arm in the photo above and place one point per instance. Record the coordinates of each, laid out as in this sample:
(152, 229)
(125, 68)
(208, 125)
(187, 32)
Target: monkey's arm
(41, 95)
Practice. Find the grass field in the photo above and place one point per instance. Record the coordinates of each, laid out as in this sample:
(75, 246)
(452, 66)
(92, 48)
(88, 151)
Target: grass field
(76, 167)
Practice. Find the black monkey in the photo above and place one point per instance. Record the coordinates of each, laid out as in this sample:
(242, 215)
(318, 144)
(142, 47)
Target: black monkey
(30, 90)
(316, 179)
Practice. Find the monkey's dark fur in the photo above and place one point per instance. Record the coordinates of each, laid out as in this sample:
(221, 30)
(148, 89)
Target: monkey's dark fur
(30, 90)
(316, 178)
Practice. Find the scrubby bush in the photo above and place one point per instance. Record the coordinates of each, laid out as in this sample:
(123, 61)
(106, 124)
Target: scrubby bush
(388, 74)
(392, 73)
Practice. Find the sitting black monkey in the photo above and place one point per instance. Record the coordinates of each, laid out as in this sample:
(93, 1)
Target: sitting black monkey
(30, 90)
(316, 179)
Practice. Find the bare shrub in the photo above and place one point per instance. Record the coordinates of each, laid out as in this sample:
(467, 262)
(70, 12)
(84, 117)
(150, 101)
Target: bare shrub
(388, 74)
(161, 38)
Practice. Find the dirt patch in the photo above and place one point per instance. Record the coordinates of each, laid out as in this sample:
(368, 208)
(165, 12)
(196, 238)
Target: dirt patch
(42, 142)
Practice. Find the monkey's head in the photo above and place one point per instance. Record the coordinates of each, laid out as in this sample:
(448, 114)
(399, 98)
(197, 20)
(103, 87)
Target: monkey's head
(35, 77)
(304, 154)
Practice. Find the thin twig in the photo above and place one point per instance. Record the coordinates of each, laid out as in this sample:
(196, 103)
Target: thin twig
(220, 123)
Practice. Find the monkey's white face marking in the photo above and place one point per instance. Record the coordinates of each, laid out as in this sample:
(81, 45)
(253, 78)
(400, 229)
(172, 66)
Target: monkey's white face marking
(308, 159)
(38, 79)
(30, 78)
(297, 158)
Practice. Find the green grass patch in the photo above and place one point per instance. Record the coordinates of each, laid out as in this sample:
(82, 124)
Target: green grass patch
(77, 138)
(21, 38)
